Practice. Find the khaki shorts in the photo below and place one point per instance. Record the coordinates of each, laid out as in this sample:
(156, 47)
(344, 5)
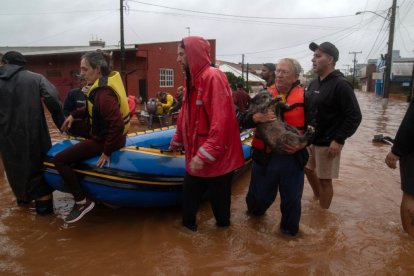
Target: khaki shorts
(325, 166)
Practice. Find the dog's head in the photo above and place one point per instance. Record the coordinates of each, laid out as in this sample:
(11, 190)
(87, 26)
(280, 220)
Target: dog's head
(261, 102)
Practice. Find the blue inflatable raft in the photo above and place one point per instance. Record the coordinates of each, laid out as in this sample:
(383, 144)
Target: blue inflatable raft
(142, 174)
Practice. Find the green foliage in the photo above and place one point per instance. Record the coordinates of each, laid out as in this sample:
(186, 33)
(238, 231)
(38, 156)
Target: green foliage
(233, 80)
(310, 74)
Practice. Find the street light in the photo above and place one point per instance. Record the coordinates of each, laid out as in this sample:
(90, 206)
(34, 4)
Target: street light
(361, 12)
(388, 61)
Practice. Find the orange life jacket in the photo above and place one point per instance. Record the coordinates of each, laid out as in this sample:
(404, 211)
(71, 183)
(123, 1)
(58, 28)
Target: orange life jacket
(295, 116)
(272, 89)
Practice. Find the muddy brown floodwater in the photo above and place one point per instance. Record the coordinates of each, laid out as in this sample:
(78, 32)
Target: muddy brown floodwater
(360, 234)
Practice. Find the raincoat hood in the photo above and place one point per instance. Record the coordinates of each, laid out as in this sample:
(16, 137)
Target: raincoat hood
(9, 70)
(197, 50)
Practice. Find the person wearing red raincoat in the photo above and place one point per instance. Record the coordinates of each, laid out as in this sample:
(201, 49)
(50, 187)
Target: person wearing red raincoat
(207, 129)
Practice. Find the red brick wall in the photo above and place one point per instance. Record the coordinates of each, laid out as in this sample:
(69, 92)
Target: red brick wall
(161, 55)
(60, 69)
(164, 55)
(143, 64)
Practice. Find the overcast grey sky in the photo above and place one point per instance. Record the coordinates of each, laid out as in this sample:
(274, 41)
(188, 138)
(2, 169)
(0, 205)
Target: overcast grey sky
(263, 30)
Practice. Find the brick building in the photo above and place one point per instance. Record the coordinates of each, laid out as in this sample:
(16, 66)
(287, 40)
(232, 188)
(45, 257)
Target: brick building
(149, 67)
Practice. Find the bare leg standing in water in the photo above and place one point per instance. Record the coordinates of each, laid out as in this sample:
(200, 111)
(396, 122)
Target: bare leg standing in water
(402, 151)
(1, 167)
(325, 193)
(313, 181)
(407, 181)
(322, 167)
(407, 213)
(322, 188)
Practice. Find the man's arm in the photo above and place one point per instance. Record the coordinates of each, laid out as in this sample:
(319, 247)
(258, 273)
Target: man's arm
(51, 100)
(350, 108)
(403, 142)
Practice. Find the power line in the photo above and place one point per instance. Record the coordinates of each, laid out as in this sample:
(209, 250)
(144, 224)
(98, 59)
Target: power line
(373, 45)
(53, 12)
(295, 45)
(245, 21)
(71, 29)
(240, 16)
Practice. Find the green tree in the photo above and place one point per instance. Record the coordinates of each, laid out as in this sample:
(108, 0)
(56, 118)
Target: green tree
(233, 80)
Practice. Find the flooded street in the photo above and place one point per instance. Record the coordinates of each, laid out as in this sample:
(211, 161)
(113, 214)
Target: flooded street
(361, 234)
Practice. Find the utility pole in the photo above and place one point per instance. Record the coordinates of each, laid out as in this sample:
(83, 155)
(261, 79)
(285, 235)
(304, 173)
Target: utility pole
(188, 29)
(353, 78)
(388, 65)
(247, 78)
(121, 9)
(242, 66)
(411, 96)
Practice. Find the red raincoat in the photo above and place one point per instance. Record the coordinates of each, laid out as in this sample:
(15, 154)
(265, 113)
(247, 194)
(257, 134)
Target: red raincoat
(207, 124)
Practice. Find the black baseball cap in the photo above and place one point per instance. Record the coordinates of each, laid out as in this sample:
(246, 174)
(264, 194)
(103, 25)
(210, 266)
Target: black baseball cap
(327, 48)
(270, 66)
(14, 57)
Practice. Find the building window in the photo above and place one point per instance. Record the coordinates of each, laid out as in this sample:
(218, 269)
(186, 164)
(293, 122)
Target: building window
(166, 77)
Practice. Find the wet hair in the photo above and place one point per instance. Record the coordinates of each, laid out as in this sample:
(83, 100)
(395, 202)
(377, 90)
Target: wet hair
(297, 69)
(181, 44)
(101, 60)
(161, 94)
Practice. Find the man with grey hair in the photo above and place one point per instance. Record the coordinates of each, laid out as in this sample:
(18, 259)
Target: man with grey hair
(271, 171)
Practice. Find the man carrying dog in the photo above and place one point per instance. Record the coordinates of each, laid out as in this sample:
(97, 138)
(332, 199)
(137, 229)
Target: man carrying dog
(283, 172)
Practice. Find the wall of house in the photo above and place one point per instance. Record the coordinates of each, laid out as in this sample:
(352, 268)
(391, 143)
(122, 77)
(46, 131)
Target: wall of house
(164, 55)
(61, 69)
(58, 69)
(142, 73)
(367, 83)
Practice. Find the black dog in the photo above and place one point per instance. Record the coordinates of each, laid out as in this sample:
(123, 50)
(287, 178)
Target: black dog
(276, 133)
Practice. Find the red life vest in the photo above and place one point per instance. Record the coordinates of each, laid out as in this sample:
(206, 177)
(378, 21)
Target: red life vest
(272, 90)
(295, 116)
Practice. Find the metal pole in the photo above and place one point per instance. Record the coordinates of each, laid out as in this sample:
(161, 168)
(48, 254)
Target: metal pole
(388, 65)
(354, 73)
(247, 77)
(242, 66)
(121, 9)
(411, 96)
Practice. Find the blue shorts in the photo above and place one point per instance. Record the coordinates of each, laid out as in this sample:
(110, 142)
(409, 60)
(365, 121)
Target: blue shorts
(407, 173)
